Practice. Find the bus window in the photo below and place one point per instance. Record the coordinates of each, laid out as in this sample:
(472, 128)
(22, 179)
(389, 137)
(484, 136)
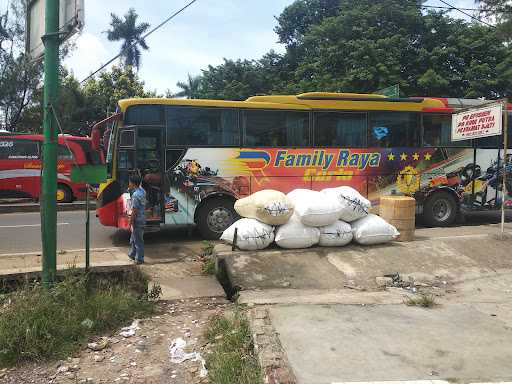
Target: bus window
(394, 129)
(334, 129)
(437, 132)
(19, 150)
(127, 138)
(275, 128)
(202, 126)
(63, 153)
(126, 160)
(144, 115)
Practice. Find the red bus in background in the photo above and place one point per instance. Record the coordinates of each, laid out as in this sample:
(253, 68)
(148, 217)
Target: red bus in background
(20, 165)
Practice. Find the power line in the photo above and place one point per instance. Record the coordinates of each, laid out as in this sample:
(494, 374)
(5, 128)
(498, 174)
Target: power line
(142, 38)
(462, 9)
(467, 14)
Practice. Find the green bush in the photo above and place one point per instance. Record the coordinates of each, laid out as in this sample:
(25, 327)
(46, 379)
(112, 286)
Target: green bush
(38, 323)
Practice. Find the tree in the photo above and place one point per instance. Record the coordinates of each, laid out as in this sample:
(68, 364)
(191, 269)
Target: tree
(191, 89)
(131, 33)
(363, 46)
(501, 10)
(19, 76)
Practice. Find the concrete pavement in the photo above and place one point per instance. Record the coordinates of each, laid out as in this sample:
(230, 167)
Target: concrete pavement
(328, 321)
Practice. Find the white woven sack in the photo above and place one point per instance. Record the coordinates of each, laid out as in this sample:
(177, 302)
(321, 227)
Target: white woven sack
(268, 206)
(335, 235)
(353, 205)
(294, 234)
(251, 234)
(373, 229)
(314, 208)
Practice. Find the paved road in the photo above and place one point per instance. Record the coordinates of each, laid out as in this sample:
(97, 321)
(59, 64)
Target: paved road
(21, 232)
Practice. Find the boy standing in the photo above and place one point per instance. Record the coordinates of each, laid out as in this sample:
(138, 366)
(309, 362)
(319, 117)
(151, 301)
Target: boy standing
(137, 219)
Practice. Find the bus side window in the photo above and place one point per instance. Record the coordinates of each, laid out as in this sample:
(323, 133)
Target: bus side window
(437, 131)
(20, 150)
(394, 129)
(126, 159)
(275, 128)
(334, 129)
(127, 138)
(63, 153)
(202, 126)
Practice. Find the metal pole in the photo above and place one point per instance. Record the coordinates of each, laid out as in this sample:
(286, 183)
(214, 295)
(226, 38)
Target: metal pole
(87, 238)
(504, 187)
(49, 181)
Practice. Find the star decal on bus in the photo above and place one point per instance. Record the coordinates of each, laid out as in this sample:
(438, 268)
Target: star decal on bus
(403, 156)
(415, 156)
(428, 156)
(391, 156)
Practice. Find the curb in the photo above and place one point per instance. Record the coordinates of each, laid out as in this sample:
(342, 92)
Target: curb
(34, 207)
(270, 353)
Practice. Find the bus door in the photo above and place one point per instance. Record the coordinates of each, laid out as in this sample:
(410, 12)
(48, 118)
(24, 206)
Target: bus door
(149, 162)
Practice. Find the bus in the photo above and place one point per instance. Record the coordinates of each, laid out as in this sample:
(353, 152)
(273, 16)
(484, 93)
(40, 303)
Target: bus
(20, 165)
(196, 157)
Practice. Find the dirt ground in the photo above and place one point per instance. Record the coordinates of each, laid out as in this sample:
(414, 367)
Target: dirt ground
(142, 358)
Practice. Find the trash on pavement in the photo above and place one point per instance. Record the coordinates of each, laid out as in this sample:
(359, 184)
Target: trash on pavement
(130, 330)
(178, 355)
(98, 345)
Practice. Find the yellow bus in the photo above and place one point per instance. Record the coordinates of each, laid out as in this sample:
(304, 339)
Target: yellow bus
(196, 157)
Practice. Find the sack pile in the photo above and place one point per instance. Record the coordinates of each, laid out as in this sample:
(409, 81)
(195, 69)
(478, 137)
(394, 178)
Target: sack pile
(332, 217)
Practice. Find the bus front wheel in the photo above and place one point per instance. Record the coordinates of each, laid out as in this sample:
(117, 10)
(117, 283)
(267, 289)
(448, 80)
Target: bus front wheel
(215, 216)
(64, 194)
(440, 210)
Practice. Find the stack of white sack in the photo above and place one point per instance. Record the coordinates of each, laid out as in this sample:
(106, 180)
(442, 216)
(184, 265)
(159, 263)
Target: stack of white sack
(353, 206)
(313, 208)
(251, 234)
(268, 206)
(331, 218)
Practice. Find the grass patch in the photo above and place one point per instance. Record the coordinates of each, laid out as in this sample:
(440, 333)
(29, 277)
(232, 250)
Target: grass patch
(424, 300)
(207, 258)
(39, 324)
(232, 359)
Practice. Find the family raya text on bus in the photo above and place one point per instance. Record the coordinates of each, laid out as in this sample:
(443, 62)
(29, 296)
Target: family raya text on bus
(208, 153)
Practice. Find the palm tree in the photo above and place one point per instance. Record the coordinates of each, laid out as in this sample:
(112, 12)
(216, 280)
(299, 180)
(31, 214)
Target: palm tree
(191, 88)
(131, 33)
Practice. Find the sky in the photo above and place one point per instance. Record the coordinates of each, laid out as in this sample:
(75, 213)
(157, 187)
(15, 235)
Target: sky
(202, 35)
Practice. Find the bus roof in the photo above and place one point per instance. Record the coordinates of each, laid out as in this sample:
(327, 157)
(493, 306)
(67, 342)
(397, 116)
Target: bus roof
(304, 101)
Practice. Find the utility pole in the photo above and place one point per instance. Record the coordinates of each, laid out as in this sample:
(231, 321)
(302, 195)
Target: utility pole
(51, 41)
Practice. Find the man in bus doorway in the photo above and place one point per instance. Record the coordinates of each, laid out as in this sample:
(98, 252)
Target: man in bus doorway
(137, 219)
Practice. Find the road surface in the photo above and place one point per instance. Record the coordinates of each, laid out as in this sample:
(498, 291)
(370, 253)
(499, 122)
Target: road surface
(21, 232)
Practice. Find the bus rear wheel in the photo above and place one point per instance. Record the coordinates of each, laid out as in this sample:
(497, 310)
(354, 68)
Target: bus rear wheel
(440, 210)
(215, 216)
(64, 194)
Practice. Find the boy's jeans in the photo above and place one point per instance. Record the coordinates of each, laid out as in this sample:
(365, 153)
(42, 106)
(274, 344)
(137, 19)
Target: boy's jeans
(137, 244)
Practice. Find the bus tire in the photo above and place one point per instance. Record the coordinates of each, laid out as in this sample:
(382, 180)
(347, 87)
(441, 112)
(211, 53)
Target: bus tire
(64, 194)
(440, 210)
(214, 216)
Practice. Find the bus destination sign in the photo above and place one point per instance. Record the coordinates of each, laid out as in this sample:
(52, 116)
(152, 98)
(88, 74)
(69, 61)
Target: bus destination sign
(476, 123)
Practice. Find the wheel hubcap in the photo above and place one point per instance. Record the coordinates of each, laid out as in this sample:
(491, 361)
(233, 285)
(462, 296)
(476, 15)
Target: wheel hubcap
(219, 219)
(442, 210)
(60, 195)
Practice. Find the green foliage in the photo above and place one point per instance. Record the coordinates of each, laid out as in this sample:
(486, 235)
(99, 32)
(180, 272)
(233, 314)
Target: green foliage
(501, 11)
(232, 359)
(130, 33)
(36, 323)
(363, 46)
(423, 300)
(19, 76)
(190, 89)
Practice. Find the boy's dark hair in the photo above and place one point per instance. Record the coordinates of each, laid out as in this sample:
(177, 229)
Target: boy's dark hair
(135, 179)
